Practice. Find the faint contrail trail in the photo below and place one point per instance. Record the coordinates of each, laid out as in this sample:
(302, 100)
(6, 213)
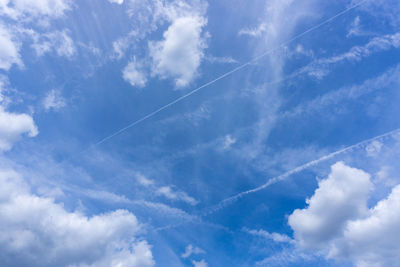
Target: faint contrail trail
(151, 114)
(285, 175)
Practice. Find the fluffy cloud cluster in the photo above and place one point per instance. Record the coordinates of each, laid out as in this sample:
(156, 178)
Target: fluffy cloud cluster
(179, 54)
(15, 13)
(38, 231)
(338, 220)
(12, 126)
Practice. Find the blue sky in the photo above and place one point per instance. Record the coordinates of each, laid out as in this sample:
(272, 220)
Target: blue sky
(114, 153)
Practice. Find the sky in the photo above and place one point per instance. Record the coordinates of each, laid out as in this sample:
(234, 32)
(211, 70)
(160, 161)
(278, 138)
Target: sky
(199, 133)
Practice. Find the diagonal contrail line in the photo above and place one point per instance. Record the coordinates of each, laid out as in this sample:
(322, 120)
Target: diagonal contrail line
(298, 169)
(224, 75)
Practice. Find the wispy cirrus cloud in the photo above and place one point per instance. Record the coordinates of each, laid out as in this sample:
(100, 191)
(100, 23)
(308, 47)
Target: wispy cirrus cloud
(321, 67)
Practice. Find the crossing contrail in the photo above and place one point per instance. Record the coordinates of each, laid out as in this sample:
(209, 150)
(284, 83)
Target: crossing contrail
(222, 204)
(151, 114)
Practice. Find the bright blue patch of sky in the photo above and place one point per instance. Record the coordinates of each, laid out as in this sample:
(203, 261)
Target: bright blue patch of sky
(333, 87)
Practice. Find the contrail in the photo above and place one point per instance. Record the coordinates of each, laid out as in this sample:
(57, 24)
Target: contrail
(224, 75)
(298, 169)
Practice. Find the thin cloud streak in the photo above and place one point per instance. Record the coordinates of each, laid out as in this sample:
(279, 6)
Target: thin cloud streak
(228, 201)
(282, 45)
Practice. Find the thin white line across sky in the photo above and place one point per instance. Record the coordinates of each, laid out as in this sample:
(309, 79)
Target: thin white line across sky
(151, 114)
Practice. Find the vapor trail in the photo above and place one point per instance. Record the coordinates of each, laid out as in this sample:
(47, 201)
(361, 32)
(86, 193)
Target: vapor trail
(298, 169)
(151, 114)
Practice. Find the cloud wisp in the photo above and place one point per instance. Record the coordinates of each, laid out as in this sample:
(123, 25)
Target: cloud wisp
(229, 73)
(228, 201)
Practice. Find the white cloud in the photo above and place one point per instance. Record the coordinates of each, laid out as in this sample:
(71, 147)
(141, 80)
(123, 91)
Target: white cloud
(34, 9)
(388, 79)
(276, 237)
(384, 10)
(38, 231)
(170, 193)
(355, 28)
(191, 250)
(58, 41)
(201, 263)
(134, 74)
(12, 126)
(54, 100)
(255, 32)
(165, 191)
(374, 240)
(228, 142)
(143, 180)
(9, 50)
(180, 53)
(320, 68)
(338, 221)
(119, 2)
(339, 198)
(373, 148)
(223, 60)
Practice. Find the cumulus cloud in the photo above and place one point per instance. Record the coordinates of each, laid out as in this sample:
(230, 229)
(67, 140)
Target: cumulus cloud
(181, 52)
(339, 198)
(12, 126)
(338, 221)
(38, 231)
(192, 250)
(373, 240)
(9, 50)
(53, 100)
(134, 74)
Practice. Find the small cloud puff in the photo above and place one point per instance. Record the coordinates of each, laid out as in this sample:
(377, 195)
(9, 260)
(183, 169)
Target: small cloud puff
(191, 250)
(54, 100)
(12, 126)
(133, 73)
